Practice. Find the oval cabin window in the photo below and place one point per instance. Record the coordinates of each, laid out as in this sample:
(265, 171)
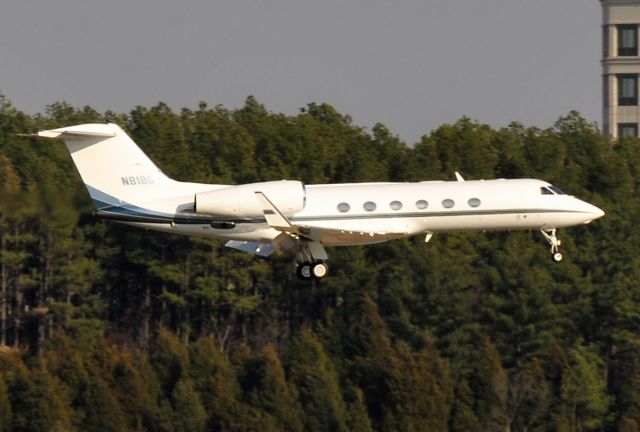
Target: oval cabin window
(474, 202)
(422, 204)
(395, 205)
(343, 207)
(448, 203)
(369, 206)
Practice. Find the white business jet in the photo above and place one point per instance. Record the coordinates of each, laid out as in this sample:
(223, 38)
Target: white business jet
(261, 218)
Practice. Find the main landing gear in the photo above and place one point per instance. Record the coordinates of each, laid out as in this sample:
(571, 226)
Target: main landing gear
(312, 270)
(550, 236)
(311, 258)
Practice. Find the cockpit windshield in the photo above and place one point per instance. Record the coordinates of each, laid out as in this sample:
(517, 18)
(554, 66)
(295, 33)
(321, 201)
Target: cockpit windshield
(551, 190)
(557, 190)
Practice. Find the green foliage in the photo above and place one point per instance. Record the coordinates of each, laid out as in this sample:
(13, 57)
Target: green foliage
(488, 382)
(189, 413)
(170, 360)
(105, 327)
(357, 417)
(266, 388)
(316, 381)
(5, 407)
(583, 393)
(102, 412)
(217, 383)
(463, 417)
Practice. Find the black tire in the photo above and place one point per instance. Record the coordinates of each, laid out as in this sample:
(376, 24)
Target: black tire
(304, 271)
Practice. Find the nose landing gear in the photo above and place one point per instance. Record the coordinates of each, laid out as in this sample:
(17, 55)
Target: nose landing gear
(550, 236)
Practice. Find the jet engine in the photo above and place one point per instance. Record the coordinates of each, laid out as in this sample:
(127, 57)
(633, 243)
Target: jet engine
(288, 196)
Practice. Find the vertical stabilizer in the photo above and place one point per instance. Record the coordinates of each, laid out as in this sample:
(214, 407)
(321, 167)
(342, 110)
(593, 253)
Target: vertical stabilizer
(113, 168)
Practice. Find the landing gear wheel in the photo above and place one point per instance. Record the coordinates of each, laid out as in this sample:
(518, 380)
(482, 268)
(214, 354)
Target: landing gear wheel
(304, 271)
(320, 270)
(554, 242)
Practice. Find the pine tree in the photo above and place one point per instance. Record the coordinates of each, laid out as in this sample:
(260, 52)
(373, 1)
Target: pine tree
(189, 413)
(311, 372)
(216, 382)
(170, 360)
(463, 418)
(264, 382)
(529, 397)
(584, 401)
(488, 383)
(373, 357)
(101, 409)
(625, 378)
(420, 391)
(54, 411)
(5, 407)
(136, 392)
(357, 417)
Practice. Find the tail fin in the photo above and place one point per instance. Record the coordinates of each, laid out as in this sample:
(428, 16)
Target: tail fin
(113, 168)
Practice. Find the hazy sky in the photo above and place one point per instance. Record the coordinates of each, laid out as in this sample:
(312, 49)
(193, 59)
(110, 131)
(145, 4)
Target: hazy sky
(409, 64)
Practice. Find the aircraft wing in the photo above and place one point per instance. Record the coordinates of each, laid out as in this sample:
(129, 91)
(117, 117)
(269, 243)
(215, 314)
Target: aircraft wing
(293, 235)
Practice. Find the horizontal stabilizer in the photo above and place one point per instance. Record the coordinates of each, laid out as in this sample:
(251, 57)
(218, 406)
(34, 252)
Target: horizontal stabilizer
(86, 130)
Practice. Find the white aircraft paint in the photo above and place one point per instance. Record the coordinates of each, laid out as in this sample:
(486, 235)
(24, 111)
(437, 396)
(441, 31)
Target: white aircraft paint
(261, 218)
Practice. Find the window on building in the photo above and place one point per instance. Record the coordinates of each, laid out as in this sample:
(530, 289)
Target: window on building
(627, 130)
(627, 90)
(628, 40)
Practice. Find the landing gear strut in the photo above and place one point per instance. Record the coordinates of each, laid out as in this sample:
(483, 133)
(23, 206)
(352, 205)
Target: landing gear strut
(311, 261)
(550, 236)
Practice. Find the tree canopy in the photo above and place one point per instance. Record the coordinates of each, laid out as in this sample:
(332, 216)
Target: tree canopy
(106, 327)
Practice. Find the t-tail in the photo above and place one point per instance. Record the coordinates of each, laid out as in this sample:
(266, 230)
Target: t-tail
(113, 168)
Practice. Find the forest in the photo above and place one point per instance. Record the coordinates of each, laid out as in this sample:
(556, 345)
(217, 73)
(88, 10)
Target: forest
(104, 327)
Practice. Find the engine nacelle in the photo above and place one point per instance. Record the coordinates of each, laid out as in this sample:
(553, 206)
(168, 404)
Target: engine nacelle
(240, 201)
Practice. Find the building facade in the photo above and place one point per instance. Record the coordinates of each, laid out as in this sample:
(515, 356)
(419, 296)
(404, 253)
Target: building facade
(620, 67)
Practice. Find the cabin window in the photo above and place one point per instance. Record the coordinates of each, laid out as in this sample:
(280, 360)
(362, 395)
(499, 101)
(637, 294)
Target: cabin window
(343, 207)
(474, 202)
(395, 205)
(369, 206)
(448, 203)
(422, 204)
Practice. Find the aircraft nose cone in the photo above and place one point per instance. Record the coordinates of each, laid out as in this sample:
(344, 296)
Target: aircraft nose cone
(594, 213)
